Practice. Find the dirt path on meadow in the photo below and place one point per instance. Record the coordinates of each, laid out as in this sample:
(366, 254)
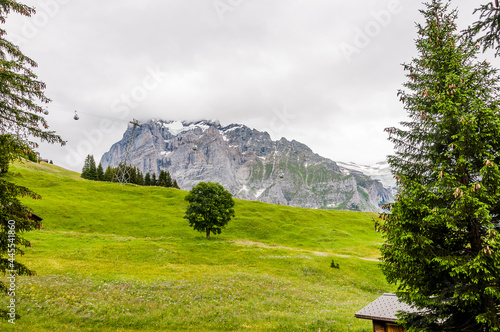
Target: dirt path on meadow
(317, 253)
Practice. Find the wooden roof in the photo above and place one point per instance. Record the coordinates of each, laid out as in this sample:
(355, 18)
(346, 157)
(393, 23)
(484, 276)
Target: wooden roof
(384, 308)
(35, 217)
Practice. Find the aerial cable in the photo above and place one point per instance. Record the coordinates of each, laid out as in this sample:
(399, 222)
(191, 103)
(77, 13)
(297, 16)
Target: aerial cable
(63, 109)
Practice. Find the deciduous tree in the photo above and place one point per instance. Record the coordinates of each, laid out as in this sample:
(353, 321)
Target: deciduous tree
(210, 207)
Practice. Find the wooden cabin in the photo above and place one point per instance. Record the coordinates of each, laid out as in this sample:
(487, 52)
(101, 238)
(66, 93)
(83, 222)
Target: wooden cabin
(34, 217)
(382, 312)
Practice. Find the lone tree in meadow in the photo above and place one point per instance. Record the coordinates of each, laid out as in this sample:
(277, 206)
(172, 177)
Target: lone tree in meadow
(210, 207)
(21, 118)
(442, 245)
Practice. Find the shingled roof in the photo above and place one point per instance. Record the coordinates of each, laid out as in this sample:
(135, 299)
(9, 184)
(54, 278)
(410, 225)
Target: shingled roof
(384, 309)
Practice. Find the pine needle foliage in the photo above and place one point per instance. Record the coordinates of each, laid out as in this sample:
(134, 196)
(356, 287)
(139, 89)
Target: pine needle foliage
(21, 99)
(489, 25)
(21, 93)
(441, 235)
(89, 170)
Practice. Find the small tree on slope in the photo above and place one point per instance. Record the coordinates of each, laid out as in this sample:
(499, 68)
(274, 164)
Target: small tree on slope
(210, 207)
(441, 238)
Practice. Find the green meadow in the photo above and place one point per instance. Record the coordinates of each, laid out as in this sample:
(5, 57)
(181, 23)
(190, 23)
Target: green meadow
(116, 257)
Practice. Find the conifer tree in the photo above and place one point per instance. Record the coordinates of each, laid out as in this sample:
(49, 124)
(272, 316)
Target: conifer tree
(21, 119)
(154, 181)
(89, 170)
(139, 177)
(122, 168)
(132, 172)
(92, 169)
(85, 168)
(100, 173)
(147, 179)
(109, 174)
(175, 185)
(168, 180)
(162, 179)
(441, 238)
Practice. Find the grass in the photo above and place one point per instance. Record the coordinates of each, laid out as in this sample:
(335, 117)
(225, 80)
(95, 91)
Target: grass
(122, 258)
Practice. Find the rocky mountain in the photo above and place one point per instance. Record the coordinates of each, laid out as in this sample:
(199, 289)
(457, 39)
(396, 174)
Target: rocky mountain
(380, 171)
(248, 163)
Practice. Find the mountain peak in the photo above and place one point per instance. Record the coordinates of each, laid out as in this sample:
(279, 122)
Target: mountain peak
(248, 163)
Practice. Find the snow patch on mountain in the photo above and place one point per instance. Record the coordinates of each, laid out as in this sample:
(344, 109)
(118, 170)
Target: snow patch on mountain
(230, 128)
(260, 192)
(165, 153)
(177, 127)
(380, 171)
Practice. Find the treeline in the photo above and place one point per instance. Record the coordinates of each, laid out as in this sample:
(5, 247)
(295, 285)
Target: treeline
(132, 175)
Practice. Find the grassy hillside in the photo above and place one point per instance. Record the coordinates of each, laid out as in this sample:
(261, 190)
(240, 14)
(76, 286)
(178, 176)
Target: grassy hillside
(122, 258)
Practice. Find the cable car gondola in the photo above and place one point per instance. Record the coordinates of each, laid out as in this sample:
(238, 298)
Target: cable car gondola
(45, 111)
(76, 117)
(195, 147)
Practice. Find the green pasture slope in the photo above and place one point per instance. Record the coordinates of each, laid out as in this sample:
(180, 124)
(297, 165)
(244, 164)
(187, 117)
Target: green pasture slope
(122, 258)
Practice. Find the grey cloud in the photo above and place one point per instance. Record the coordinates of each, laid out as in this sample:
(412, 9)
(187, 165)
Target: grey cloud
(263, 56)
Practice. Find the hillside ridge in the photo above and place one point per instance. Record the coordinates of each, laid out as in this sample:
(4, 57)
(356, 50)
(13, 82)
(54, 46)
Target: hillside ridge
(121, 257)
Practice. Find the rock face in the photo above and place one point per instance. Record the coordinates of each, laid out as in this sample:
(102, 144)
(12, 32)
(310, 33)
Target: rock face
(380, 171)
(248, 164)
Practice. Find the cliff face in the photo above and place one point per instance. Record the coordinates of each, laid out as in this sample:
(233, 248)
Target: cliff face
(248, 164)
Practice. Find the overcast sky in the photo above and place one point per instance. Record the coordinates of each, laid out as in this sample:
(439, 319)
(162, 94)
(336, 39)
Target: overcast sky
(322, 72)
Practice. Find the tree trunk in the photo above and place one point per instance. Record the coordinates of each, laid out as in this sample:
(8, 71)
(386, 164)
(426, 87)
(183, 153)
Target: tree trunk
(474, 229)
(208, 232)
